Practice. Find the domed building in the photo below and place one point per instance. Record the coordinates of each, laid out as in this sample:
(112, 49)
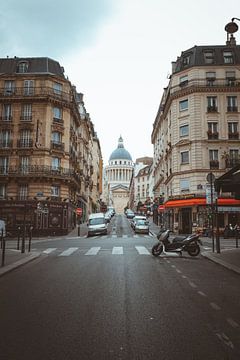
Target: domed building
(118, 175)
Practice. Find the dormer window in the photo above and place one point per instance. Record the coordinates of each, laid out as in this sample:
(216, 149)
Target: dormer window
(186, 60)
(22, 67)
(208, 57)
(228, 57)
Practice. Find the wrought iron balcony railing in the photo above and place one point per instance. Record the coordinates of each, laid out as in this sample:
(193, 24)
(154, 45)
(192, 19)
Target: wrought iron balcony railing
(232, 108)
(6, 144)
(55, 145)
(212, 135)
(35, 92)
(233, 136)
(232, 162)
(40, 171)
(25, 143)
(214, 164)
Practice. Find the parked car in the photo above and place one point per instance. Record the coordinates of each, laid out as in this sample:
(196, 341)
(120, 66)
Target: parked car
(97, 224)
(136, 218)
(130, 214)
(141, 226)
(108, 215)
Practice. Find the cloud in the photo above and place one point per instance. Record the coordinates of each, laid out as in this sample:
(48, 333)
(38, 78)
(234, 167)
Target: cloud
(50, 27)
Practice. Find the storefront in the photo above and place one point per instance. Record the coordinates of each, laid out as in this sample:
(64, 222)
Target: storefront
(185, 216)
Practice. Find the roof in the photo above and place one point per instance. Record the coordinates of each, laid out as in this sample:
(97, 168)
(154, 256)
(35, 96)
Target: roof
(120, 153)
(196, 56)
(36, 65)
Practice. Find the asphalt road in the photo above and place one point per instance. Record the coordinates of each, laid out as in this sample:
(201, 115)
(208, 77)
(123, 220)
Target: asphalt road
(106, 298)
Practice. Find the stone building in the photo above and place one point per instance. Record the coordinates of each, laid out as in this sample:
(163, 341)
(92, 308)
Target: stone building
(45, 147)
(118, 174)
(196, 132)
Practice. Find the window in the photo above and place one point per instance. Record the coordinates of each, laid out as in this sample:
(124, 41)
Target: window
(233, 154)
(212, 127)
(186, 60)
(213, 155)
(211, 77)
(25, 138)
(183, 105)
(7, 112)
(228, 57)
(55, 190)
(24, 164)
(56, 137)
(28, 87)
(231, 103)
(26, 112)
(230, 78)
(23, 192)
(208, 57)
(56, 163)
(232, 127)
(2, 191)
(184, 184)
(57, 113)
(3, 164)
(211, 103)
(5, 138)
(22, 67)
(185, 157)
(57, 88)
(9, 87)
(183, 80)
(184, 130)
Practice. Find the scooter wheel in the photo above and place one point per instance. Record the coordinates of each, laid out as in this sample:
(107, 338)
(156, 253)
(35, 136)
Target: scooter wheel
(157, 250)
(193, 250)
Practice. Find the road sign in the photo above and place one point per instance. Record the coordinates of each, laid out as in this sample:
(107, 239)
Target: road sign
(209, 193)
(79, 211)
(161, 208)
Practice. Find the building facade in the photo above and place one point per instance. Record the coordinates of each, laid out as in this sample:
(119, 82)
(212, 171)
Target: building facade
(196, 132)
(118, 174)
(45, 147)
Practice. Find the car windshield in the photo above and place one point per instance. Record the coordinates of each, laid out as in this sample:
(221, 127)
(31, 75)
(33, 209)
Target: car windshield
(96, 221)
(141, 222)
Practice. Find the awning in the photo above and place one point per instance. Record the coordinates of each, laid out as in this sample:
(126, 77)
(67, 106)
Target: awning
(199, 201)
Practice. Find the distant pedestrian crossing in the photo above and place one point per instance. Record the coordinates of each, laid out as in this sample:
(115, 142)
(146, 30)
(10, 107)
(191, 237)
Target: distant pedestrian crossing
(96, 250)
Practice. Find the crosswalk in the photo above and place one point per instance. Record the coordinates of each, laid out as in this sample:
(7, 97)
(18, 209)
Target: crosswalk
(95, 250)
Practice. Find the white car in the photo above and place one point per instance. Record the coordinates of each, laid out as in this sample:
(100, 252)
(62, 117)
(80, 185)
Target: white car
(97, 224)
(142, 227)
(136, 218)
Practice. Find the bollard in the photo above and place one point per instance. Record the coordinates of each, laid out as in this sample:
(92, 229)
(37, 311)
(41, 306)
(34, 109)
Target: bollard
(237, 237)
(30, 238)
(3, 251)
(18, 238)
(2, 239)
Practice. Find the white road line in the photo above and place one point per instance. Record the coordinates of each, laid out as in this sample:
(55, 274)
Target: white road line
(142, 250)
(178, 271)
(215, 306)
(232, 323)
(114, 236)
(49, 250)
(68, 251)
(93, 251)
(173, 266)
(192, 284)
(202, 293)
(125, 236)
(135, 236)
(117, 250)
(184, 277)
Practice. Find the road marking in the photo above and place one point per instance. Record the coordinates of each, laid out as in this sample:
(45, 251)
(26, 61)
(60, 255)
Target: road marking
(142, 250)
(178, 271)
(49, 250)
(68, 251)
(223, 337)
(117, 250)
(192, 284)
(215, 306)
(202, 293)
(233, 323)
(184, 277)
(173, 266)
(125, 236)
(114, 236)
(93, 251)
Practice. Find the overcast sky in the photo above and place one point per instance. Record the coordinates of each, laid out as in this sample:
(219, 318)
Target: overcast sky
(118, 53)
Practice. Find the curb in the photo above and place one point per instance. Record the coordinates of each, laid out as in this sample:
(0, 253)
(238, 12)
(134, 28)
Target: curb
(10, 267)
(221, 262)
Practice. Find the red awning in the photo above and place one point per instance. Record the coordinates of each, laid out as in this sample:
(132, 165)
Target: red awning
(199, 201)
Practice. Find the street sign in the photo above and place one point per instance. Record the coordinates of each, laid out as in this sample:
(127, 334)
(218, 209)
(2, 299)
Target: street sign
(79, 211)
(210, 177)
(161, 208)
(208, 194)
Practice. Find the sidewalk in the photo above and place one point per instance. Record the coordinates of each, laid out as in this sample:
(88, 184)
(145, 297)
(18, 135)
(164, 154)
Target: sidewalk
(229, 258)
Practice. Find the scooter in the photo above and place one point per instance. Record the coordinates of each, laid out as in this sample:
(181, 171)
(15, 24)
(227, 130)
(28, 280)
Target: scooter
(189, 243)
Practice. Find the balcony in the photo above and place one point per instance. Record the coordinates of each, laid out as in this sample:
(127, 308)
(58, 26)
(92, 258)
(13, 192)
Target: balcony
(25, 143)
(212, 135)
(233, 135)
(230, 163)
(211, 109)
(26, 117)
(6, 118)
(232, 109)
(57, 145)
(34, 92)
(40, 171)
(6, 144)
(214, 164)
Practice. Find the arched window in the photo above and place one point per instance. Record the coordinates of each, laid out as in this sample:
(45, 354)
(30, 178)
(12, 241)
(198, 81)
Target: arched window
(22, 67)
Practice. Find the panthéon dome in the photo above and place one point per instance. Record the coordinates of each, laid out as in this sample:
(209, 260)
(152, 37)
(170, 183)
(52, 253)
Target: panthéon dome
(120, 152)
